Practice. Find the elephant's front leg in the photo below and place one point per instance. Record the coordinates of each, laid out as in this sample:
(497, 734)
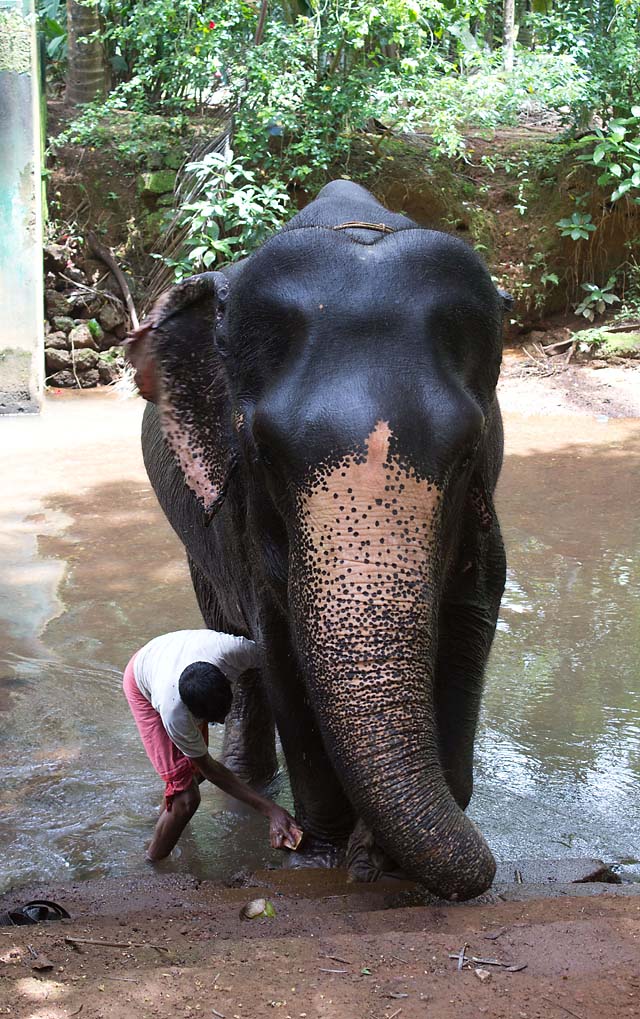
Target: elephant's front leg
(321, 807)
(466, 627)
(249, 733)
(249, 748)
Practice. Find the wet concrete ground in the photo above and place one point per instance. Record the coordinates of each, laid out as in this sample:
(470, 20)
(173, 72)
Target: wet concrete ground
(92, 571)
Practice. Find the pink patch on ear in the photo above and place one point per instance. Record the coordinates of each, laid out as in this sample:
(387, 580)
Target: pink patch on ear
(137, 352)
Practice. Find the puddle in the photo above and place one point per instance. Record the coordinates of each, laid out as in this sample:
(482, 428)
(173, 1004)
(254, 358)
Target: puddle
(93, 571)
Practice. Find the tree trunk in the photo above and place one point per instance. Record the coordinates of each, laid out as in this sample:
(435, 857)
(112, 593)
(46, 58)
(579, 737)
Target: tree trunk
(509, 33)
(87, 69)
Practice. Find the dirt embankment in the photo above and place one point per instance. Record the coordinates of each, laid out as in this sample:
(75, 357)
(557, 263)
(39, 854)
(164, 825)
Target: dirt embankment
(167, 947)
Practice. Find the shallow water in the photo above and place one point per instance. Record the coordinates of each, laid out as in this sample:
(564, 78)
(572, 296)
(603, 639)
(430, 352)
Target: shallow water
(92, 571)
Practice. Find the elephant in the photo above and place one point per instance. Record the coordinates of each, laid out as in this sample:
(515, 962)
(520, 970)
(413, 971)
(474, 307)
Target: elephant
(324, 436)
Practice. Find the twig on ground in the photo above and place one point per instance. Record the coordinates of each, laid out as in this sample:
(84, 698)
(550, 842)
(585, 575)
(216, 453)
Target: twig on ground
(332, 970)
(394, 1014)
(336, 958)
(115, 944)
(93, 290)
(219, 1014)
(494, 935)
(564, 1008)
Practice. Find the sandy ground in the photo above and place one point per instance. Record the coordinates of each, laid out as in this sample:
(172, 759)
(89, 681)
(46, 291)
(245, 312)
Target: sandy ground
(611, 391)
(172, 947)
(169, 946)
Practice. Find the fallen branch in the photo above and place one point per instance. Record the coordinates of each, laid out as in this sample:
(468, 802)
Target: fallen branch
(103, 253)
(115, 944)
(92, 290)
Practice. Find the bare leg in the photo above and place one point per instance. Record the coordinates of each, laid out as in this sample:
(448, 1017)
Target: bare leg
(171, 824)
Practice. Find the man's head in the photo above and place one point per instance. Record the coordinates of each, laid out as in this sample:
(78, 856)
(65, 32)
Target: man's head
(205, 691)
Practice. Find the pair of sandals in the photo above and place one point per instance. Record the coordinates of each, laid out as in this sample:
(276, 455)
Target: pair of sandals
(36, 911)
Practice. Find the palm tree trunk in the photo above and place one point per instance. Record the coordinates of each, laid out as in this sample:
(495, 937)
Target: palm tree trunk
(87, 69)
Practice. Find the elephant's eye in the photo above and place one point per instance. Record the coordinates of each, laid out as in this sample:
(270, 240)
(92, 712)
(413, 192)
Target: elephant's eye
(264, 456)
(220, 343)
(468, 456)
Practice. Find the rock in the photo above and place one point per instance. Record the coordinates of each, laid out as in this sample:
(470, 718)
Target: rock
(174, 159)
(108, 341)
(92, 268)
(108, 372)
(65, 380)
(90, 379)
(55, 257)
(80, 337)
(56, 360)
(482, 974)
(111, 315)
(63, 323)
(76, 275)
(56, 341)
(156, 182)
(85, 359)
(151, 225)
(86, 305)
(166, 200)
(57, 304)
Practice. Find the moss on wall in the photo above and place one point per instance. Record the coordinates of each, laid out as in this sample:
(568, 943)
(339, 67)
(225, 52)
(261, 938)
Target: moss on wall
(15, 42)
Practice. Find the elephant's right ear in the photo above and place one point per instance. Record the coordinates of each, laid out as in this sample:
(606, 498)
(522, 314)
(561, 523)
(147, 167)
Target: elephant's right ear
(178, 368)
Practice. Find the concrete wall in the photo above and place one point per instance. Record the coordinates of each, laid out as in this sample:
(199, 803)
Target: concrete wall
(21, 311)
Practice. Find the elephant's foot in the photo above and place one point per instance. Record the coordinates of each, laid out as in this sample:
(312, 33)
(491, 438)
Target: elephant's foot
(316, 853)
(366, 861)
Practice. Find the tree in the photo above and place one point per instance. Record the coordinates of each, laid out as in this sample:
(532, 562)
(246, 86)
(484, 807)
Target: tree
(509, 33)
(86, 68)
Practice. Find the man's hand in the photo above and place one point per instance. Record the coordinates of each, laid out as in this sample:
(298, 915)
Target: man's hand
(283, 830)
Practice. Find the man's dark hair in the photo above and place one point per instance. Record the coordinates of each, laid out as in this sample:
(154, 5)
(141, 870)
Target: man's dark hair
(206, 691)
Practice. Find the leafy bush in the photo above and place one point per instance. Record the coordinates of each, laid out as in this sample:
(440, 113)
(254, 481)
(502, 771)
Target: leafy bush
(617, 154)
(597, 299)
(233, 214)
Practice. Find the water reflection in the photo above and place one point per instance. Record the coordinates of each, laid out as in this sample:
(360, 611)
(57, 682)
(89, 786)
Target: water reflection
(558, 758)
(96, 572)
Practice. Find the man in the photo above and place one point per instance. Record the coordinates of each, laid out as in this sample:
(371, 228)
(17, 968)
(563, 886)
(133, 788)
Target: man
(175, 685)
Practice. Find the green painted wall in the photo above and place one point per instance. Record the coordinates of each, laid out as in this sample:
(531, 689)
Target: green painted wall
(21, 314)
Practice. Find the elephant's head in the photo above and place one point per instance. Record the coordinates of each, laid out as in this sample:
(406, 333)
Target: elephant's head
(361, 374)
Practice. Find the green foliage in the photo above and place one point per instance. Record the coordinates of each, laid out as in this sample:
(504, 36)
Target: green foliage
(578, 227)
(597, 299)
(135, 135)
(233, 214)
(52, 22)
(603, 37)
(617, 154)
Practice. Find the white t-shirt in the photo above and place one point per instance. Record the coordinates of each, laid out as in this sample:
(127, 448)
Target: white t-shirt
(160, 663)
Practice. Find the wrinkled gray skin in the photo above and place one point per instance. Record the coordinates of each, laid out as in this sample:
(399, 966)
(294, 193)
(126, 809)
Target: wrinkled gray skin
(325, 441)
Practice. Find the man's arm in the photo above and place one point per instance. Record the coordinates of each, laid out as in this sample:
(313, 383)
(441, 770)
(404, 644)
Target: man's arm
(284, 832)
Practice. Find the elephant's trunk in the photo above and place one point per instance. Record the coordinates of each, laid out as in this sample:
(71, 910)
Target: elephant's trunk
(364, 577)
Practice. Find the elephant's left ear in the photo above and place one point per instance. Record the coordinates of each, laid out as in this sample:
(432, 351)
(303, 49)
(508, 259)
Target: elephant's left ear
(178, 368)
